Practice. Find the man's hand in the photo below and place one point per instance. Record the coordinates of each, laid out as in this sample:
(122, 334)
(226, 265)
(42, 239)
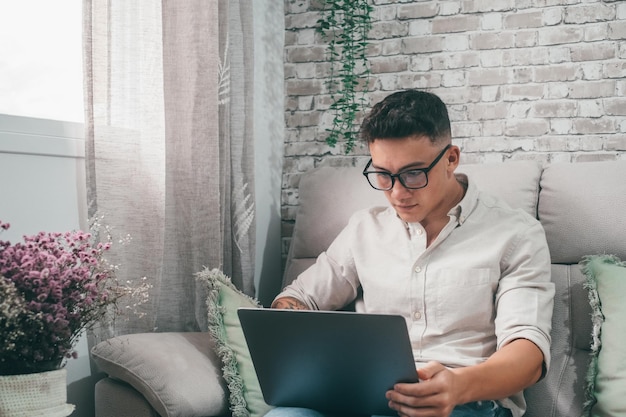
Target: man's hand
(434, 395)
(289, 303)
(508, 371)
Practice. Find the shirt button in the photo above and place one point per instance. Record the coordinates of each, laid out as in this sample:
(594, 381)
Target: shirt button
(419, 232)
(417, 315)
(418, 269)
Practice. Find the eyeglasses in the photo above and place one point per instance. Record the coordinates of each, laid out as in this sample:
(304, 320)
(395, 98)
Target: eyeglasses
(413, 179)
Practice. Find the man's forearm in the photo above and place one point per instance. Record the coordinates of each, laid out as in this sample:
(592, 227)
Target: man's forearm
(289, 303)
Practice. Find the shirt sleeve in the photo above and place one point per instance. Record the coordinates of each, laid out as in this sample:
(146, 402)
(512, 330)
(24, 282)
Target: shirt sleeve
(331, 282)
(525, 295)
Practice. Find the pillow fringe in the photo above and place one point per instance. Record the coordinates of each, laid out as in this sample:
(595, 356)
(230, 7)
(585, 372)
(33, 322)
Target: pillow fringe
(597, 318)
(215, 317)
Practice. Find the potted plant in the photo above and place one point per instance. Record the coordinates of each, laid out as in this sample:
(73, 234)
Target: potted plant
(53, 286)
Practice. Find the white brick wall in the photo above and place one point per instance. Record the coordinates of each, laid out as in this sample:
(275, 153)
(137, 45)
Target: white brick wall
(523, 79)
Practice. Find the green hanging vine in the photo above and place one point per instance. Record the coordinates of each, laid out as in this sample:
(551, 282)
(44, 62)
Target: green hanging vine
(345, 24)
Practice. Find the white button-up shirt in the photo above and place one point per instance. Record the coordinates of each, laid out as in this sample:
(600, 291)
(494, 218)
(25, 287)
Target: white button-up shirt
(482, 283)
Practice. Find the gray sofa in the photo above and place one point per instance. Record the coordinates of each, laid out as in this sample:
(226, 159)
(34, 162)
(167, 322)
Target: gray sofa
(579, 204)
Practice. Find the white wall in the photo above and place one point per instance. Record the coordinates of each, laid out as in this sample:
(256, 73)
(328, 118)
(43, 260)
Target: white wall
(42, 188)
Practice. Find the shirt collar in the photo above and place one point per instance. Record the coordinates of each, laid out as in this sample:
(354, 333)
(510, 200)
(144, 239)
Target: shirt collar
(464, 208)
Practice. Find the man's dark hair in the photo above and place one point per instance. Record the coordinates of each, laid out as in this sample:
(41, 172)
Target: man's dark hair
(407, 113)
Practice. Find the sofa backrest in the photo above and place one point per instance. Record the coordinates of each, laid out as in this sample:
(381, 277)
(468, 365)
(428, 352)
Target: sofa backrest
(579, 205)
(329, 195)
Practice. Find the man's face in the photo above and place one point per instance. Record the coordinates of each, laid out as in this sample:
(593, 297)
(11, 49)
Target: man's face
(399, 155)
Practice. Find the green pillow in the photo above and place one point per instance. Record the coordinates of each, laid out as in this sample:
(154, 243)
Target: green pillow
(606, 380)
(223, 300)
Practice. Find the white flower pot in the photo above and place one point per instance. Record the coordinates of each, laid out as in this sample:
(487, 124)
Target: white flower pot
(35, 395)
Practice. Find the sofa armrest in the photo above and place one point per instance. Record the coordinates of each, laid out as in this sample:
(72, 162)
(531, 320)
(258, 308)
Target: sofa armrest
(177, 373)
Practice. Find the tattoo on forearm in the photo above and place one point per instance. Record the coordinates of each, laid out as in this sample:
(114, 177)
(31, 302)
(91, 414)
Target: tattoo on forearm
(288, 303)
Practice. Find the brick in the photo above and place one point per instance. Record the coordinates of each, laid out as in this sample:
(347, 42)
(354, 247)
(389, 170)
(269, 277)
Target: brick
(490, 59)
(592, 52)
(305, 103)
(456, 43)
(490, 93)
(453, 79)
(299, 119)
(525, 56)
(560, 126)
(615, 143)
(592, 70)
(524, 20)
(302, 20)
(481, 6)
(490, 40)
(420, 63)
(597, 12)
(457, 60)
(489, 76)
(590, 108)
(420, 28)
(597, 32)
(617, 30)
(592, 89)
(303, 87)
(291, 38)
(493, 128)
(585, 126)
(384, 13)
(527, 127)
(519, 109)
(390, 47)
(556, 90)
(452, 24)
(419, 80)
(522, 92)
(306, 54)
(398, 63)
(466, 129)
(552, 16)
(305, 70)
(593, 157)
(522, 75)
(559, 55)
(560, 72)
(486, 111)
(306, 37)
(615, 106)
(388, 29)
(551, 143)
(417, 10)
(418, 45)
(614, 69)
(458, 95)
(447, 8)
(559, 35)
(491, 21)
(554, 108)
(525, 38)
(296, 6)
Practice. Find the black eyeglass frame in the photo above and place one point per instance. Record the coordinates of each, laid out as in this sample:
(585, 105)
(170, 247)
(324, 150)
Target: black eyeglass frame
(399, 174)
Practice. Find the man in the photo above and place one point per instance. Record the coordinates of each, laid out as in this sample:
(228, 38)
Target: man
(470, 275)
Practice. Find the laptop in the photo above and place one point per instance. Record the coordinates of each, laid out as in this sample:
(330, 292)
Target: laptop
(335, 362)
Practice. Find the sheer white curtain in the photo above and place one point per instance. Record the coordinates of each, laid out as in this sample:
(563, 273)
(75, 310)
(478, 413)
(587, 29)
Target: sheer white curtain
(169, 146)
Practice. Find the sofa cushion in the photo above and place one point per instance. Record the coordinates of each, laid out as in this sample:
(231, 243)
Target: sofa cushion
(560, 392)
(516, 182)
(581, 207)
(606, 381)
(223, 300)
(177, 373)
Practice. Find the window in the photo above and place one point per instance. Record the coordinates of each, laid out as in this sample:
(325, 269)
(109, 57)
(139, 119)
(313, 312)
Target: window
(41, 72)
